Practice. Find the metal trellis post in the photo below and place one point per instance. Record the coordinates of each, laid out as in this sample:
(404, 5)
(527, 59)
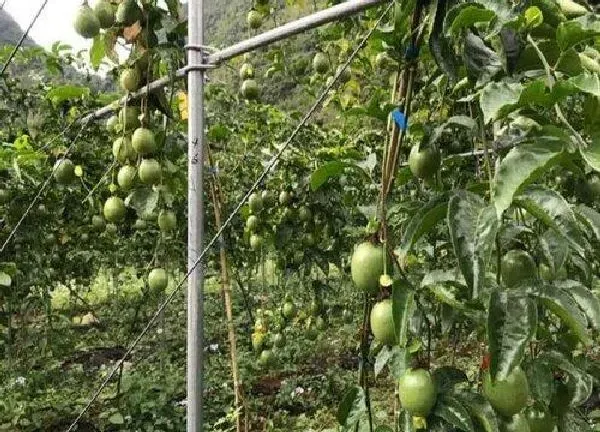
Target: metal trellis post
(195, 311)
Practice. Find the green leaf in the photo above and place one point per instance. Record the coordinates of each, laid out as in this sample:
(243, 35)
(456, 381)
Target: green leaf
(473, 226)
(591, 154)
(97, 51)
(143, 200)
(587, 82)
(586, 299)
(590, 217)
(438, 276)
(423, 221)
(329, 170)
(521, 166)
(498, 97)
(447, 377)
(470, 15)
(533, 17)
(402, 309)
(116, 419)
(562, 304)
(67, 92)
(553, 210)
(440, 47)
(481, 62)
(573, 32)
(512, 319)
(353, 407)
(382, 358)
(481, 410)
(5, 280)
(453, 412)
(555, 249)
(398, 362)
(582, 382)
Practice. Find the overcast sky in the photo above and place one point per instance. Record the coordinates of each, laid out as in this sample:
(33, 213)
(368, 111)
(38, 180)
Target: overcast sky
(55, 23)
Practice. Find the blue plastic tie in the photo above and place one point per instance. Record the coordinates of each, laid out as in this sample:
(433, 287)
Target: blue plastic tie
(400, 119)
(412, 52)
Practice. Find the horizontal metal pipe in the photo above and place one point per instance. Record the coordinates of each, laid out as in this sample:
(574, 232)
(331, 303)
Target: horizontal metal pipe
(317, 19)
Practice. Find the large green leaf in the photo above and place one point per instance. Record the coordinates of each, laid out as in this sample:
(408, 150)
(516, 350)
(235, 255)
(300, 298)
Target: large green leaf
(143, 200)
(586, 299)
(496, 97)
(5, 279)
(581, 381)
(332, 169)
(551, 208)
(481, 62)
(423, 221)
(353, 407)
(521, 166)
(587, 82)
(472, 226)
(562, 304)
(481, 410)
(440, 47)
(591, 154)
(591, 218)
(469, 15)
(555, 249)
(402, 307)
(447, 377)
(451, 410)
(512, 319)
(573, 32)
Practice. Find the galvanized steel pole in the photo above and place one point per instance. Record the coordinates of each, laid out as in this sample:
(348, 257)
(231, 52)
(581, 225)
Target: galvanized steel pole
(195, 215)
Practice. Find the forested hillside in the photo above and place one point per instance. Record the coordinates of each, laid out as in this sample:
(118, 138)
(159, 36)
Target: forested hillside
(10, 32)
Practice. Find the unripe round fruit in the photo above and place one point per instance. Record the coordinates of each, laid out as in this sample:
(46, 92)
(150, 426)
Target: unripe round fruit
(111, 229)
(508, 396)
(254, 19)
(289, 310)
(320, 63)
(150, 171)
(86, 23)
(255, 203)
(64, 171)
(4, 196)
(246, 71)
(123, 150)
(367, 266)
(129, 118)
(285, 197)
(424, 163)
(309, 239)
(140, 224)
(417, 392)
(143, 141)
(279, 340)
(345, 74)
(252, 223)
(517, 265)
(128, 12)
(255, 242)
(112, 124)
(304, 214)
(105, 13)
(98, 222)
(158, 279)
(383, 61)
(382, 322)
(517, 423)
(320, 323)
(539, 418)
(266, 358)
(114, 209)
(347, 316)
(130, 79)
(250, 89)
(167, 221)
(126, 176)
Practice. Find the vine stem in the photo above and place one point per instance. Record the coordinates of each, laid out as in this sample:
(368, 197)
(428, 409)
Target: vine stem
(363, 375)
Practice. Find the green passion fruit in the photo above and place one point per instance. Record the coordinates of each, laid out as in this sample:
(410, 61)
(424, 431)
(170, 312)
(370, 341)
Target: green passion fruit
(98, 222)
(158, 279)
(254, 19)
(366, 266)
(285, 197)
(289, 310)
(150, 171)
(279, 340)
(167, 220)
(64, 171)
(123, 150)
(256, 242)
(114, 209)
(129, 118)
(112, 124)
(86, 23)
(304, 214)
(266, 358)
(424, 163)
(111, 229)
(128, 12)
(246, 71)
(382, 322)
(320, 63)
(250, 89)
(539, 418)
(143, 141)
(517, 265)
(130, 79)
(126, 177)
(509, 396)
(140, 224)
(517, 423)
(417, 392)
(105, 12)
(252, 223)
(255, 203)
(4, 196)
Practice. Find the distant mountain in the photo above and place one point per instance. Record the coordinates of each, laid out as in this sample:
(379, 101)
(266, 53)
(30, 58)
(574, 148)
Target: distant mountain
(11, 32)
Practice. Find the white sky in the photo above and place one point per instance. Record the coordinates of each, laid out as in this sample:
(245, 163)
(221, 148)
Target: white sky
(55, 23)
